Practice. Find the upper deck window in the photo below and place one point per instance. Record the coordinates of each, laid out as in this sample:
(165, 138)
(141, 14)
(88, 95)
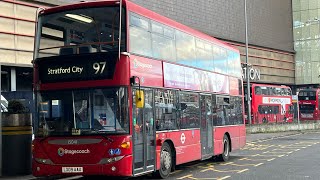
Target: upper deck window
(161, 41)
(79, 31)
(307, 95)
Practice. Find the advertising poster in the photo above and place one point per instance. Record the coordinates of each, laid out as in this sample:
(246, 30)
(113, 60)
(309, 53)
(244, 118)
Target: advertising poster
(176, 76)
(149, 71)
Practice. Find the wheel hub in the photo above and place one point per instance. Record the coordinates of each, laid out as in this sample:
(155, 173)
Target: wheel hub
(226, 148)
(166, 159)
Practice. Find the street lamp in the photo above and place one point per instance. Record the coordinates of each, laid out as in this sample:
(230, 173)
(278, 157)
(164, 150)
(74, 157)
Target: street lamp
(247, 72)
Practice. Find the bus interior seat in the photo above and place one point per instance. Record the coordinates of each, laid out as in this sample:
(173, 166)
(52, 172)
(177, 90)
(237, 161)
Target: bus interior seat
(67, 51)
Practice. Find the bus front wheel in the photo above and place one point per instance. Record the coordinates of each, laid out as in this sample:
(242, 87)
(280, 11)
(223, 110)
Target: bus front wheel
(165, 161)
(226, 149)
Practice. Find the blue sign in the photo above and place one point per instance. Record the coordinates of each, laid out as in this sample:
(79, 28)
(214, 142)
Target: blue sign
(111, 152)
(117, 151)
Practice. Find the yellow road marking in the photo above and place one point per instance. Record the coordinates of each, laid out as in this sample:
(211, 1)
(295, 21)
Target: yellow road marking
(226, 177)
(257, 159)
(267, 155)
(176, 171)
(234, 164)
(187, 176)
(211, 167)
(190, 176)
(274, 152)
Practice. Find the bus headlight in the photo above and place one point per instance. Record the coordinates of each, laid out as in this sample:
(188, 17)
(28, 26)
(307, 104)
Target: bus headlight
(43, 161)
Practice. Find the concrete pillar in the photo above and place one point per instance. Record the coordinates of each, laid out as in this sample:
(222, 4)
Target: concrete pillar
(13, 79)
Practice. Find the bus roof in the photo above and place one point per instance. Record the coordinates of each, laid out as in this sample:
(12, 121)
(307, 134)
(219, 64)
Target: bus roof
(79, 5)
(144, 12)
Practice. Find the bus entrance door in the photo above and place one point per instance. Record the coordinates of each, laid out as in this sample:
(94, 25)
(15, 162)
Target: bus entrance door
(143, 135)
(206, 126)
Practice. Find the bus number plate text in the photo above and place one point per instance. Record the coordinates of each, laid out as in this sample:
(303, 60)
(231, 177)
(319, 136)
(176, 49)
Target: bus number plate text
(72, 169)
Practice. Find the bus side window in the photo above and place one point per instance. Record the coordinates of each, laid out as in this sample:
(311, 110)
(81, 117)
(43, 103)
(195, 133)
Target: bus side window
(257, 90)
(165, 109)
(190, 116)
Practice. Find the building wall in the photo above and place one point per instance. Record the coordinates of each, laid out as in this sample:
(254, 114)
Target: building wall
(274, 67)
(17, 21)
(306, 22)
(269, 21)
(17, 25)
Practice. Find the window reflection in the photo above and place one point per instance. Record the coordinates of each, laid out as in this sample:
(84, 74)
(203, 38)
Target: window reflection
(190, 112)
(166, 109)
(90, 111)
(156, 40)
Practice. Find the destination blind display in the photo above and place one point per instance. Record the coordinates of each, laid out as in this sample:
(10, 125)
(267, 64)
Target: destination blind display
(76, 67)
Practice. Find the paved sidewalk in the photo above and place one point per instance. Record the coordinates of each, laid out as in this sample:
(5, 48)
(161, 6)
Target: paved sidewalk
(262, 136)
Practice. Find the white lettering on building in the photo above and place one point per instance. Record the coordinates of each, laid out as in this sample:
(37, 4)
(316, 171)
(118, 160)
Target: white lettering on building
(254, 74)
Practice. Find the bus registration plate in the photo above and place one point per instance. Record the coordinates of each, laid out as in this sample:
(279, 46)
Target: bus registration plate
(307, 115)
(72, 169)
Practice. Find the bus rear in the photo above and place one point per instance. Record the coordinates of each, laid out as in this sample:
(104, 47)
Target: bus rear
(308, 104)
(81, 90)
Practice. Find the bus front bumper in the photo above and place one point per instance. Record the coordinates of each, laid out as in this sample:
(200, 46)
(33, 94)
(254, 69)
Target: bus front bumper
(122, 167)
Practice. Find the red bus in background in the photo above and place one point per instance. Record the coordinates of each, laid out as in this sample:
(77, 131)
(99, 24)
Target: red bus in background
(309, 104)
(271, 104)
(129, 92)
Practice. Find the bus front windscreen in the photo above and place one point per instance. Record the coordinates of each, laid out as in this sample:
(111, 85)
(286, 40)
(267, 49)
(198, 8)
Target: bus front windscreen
(307, 108)
(78, 31)
(82, 112)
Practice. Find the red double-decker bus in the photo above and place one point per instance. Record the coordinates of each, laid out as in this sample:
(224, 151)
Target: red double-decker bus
(123, 91)
(309, 104)
(271, 104)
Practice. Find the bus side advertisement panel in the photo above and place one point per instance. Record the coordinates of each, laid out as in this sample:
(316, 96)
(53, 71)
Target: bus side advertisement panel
(149, 71)
(176, 76)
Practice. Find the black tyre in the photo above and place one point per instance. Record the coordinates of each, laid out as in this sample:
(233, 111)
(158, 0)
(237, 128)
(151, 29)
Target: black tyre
(165, 161)
(226, 149)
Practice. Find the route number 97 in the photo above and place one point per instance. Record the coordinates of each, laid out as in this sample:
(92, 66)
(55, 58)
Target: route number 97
(99, 67)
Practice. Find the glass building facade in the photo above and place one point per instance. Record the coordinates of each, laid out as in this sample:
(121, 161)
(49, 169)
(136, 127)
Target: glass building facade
(306, 29)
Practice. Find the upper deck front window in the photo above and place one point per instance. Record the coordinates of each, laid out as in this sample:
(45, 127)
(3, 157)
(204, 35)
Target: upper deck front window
(86, 30)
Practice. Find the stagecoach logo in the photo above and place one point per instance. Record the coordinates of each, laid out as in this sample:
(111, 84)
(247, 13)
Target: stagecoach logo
(62, 151)
(137, 64)
(183, 138)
